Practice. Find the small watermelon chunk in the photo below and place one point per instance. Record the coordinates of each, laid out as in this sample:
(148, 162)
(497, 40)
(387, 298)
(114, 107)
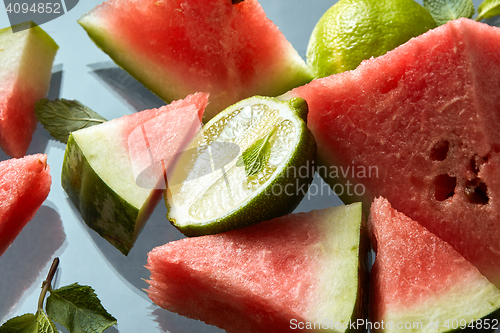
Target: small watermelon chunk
(114, 173)
(420, 126)
(176, 48)
(25, 70)
(24, 186)
(297, 271)
(420, 281)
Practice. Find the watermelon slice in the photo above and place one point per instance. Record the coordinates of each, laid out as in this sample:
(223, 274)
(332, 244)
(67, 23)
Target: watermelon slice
(176, 48)
(114, 173)
(294, 272)
(24, 186)
(421, 283)
(25, 70)
(421, 127)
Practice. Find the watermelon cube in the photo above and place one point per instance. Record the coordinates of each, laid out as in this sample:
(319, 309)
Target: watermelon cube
(298, 272)
(420, 126)
(176, 48)
(24, 186)
(419, 283)
(25, 70)
(115, 172)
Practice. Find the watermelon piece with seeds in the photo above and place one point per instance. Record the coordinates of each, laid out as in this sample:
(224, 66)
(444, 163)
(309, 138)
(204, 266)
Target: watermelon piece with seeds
(25, 70)
(24, 186)
(115, 172)
(290, 273)
(176, 48)
(420, 126)
(421, 282)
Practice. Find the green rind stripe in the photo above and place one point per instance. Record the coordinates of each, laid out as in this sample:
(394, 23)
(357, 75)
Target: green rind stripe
(102, 209)
(495, 315)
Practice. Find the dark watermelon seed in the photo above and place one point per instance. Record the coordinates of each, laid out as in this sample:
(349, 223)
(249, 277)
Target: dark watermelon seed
(440, 150)
(235, 2)
(444, 187)
(476, 191)
(474, 166)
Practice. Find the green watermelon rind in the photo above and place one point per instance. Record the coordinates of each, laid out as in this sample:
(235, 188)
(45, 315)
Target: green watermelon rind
(39, 32)
(492, 316)
(253, 211)
(361, 307)
(86, 190)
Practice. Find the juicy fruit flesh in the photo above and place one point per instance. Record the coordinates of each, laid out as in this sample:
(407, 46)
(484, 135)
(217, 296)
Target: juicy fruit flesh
(258, 278)
(215, 193)
(231, 51)
(24, 185)
(354, 30)
(418, 277)
(430, 145)
(25, 71)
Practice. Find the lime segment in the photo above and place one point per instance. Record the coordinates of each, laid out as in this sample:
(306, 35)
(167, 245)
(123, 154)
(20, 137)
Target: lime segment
(235, 171)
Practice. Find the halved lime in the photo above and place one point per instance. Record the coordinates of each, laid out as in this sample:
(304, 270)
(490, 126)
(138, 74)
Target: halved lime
(254, 161)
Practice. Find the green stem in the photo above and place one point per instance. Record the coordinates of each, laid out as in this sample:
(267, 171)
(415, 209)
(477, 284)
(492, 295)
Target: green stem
(478, 18)
(47, 282)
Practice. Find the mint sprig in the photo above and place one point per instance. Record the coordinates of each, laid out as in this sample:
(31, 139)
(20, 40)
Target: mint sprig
(75, 307)
(446, 10)
(61, 117)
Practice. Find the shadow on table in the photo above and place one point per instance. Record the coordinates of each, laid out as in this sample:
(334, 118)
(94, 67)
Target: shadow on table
(28, 257)
(128, 88)
(157, 231)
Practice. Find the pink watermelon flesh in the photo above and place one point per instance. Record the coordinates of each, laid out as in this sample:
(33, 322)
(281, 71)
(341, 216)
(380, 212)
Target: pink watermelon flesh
(421, 127)
(153, 150)
(25, 72)
(417, 277)
(176, 48)
(24, 186)
(18, 120)
(258, 278)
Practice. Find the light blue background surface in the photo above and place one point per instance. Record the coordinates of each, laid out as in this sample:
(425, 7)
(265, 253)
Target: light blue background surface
(84, 72)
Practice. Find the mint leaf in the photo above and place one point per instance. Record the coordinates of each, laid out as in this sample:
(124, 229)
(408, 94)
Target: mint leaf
(61, 117)
(78, 309)
(446, 10)
(488, 9)
(29, 323)
(255, 157)
(25, 322)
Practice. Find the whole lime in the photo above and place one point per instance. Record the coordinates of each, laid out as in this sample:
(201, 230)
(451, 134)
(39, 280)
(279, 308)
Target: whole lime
(354, 30)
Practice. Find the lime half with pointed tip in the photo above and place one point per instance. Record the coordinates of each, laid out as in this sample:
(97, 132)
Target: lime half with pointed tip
(254, 161)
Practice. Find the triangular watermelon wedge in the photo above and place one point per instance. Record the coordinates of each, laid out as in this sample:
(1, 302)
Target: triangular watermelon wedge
(301, 271)
(419, 283)
(25, 70)
(115, 172)
(176, 48)
(420, 126)
(24, 186)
